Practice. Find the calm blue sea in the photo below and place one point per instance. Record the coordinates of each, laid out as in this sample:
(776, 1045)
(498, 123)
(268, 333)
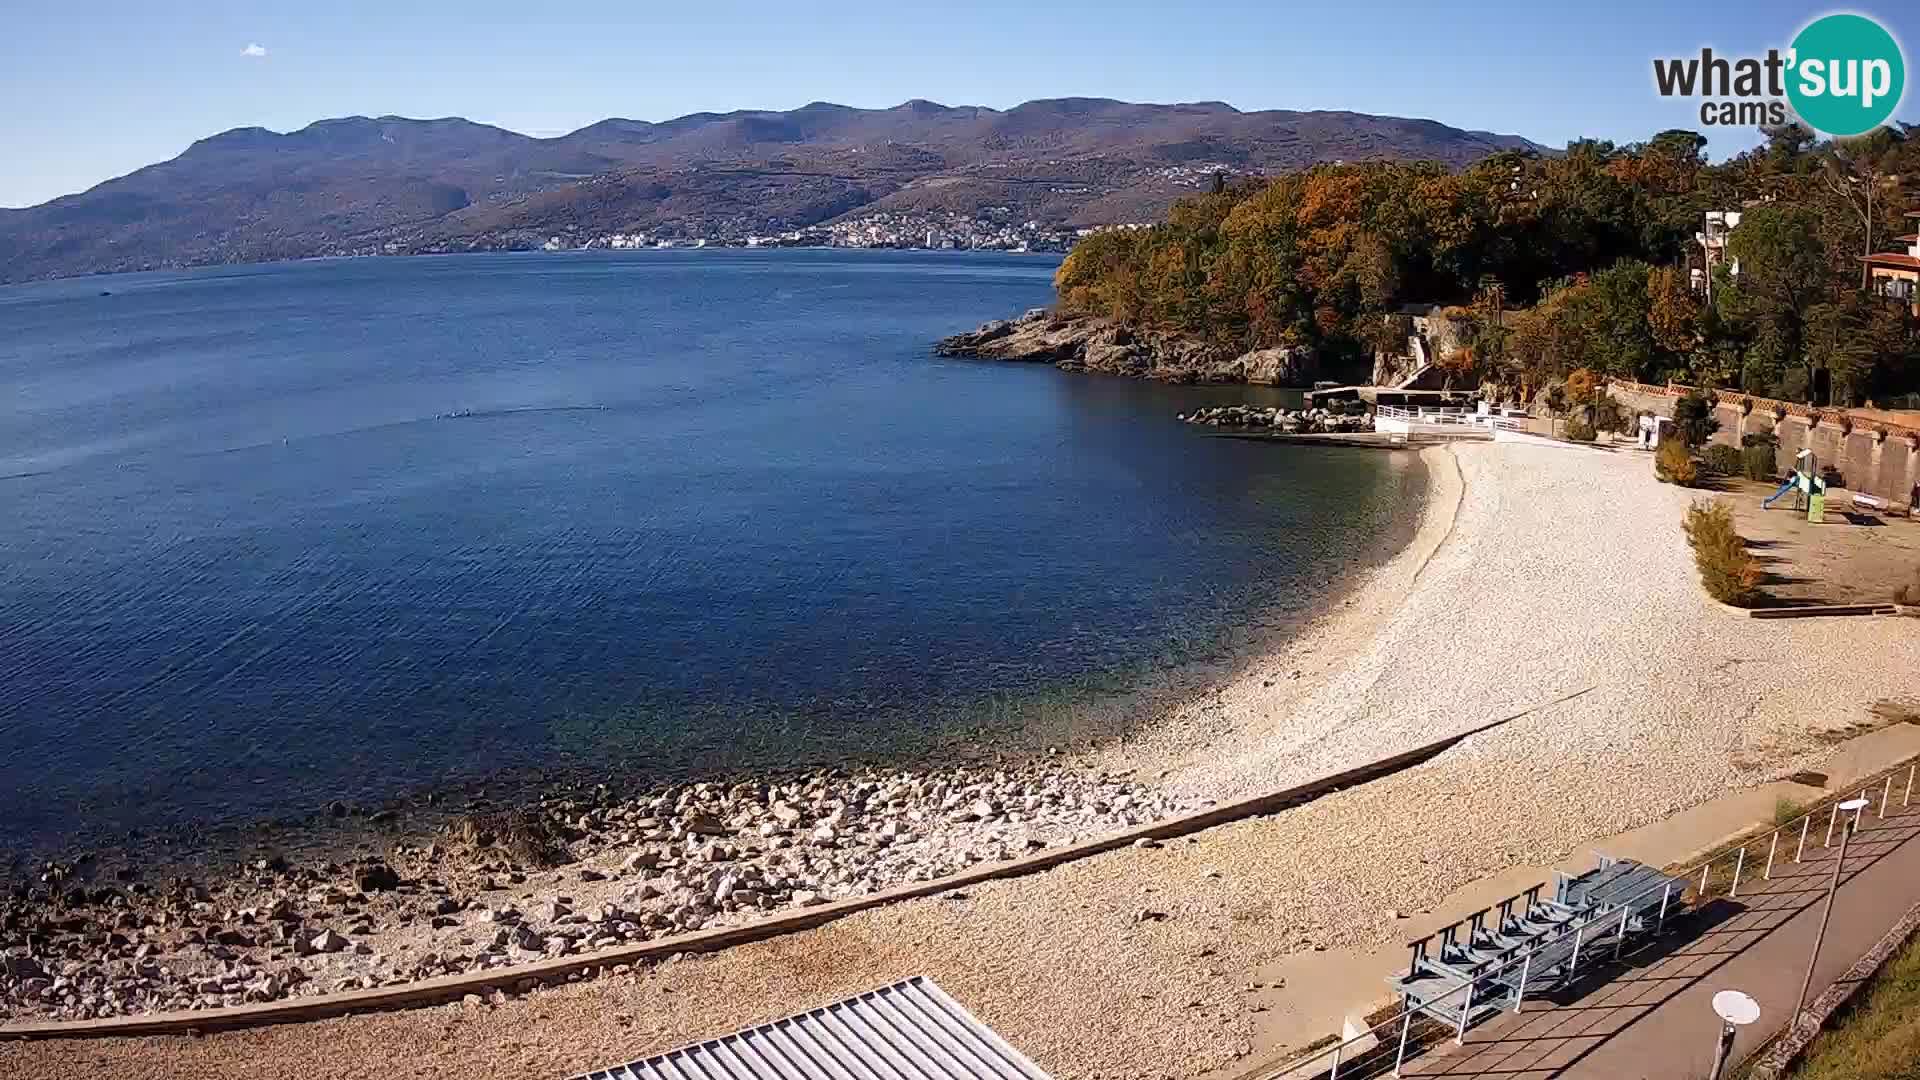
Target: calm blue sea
(275, 535)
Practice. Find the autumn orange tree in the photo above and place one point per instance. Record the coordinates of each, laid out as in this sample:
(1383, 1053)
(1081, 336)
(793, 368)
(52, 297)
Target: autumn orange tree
(1582, 384)
(1672, 312)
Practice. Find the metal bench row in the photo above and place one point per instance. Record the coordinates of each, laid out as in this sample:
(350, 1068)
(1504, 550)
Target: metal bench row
(1529, 945)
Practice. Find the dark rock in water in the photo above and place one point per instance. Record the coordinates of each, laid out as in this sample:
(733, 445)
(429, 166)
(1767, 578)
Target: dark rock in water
(1088, 343)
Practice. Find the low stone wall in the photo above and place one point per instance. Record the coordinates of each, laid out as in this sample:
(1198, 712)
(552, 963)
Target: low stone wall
(1873, 456)
(1784, 1053)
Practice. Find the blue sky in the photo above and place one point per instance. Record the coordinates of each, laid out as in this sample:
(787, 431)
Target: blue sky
(95, 90)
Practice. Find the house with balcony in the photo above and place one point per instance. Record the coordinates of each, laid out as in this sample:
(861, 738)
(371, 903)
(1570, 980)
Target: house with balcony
(1897, 273)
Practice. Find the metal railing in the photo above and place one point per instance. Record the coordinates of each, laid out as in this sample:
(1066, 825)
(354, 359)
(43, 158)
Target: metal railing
(1397, 418)
(1383, 1049)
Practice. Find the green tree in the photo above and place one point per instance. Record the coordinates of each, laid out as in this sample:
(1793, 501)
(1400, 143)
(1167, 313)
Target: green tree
(1693, 419)
(1783, 275)
(1613, 312)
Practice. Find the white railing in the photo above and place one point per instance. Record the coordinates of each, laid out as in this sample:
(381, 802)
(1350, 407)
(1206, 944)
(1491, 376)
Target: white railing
(1441, 421)
(1382, 1049)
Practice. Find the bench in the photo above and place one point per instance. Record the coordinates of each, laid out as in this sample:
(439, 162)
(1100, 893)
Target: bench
(1527, 944)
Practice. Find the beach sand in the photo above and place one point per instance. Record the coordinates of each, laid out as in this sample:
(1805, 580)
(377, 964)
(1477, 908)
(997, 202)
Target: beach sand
(1548, 584)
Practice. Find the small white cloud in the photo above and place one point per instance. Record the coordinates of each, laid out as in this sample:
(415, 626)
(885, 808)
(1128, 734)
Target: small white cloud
(254, 49)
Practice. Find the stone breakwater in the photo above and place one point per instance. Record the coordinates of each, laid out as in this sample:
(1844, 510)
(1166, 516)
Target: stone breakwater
(1287, 421)
(1087, 343)
(495, 889)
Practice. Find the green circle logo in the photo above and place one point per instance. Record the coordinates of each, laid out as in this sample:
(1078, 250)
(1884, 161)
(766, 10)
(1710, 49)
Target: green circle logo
(1847, 75)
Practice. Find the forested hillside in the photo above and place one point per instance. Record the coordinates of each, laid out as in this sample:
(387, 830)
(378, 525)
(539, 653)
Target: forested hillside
(1556, 263)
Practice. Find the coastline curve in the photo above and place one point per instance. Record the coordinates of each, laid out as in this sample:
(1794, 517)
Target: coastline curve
(453, 987)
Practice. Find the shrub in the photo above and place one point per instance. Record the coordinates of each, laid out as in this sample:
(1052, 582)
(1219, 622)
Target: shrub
(1674, 465)
(1730, 575)
(1758, 463)
(1609, 416)
(1693, 418)
(1723, 460)
(1580, 431)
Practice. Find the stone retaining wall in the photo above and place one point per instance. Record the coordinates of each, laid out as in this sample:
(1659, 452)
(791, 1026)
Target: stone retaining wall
(1873, 456)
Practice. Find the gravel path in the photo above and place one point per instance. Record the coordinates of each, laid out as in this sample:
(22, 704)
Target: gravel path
(1563, 571)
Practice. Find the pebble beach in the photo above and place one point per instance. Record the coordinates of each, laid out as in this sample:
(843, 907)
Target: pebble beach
(1547, 587)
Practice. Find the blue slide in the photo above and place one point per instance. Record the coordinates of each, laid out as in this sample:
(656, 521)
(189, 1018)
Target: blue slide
(1792, 482)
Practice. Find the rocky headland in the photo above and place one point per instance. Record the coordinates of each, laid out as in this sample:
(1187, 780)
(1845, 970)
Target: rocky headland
(1090, 343)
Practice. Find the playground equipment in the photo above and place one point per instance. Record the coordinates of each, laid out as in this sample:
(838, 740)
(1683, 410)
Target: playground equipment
(1806, 480)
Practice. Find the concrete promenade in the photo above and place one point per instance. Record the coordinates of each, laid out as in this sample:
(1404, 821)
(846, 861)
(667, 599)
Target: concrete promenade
(1652, 1019)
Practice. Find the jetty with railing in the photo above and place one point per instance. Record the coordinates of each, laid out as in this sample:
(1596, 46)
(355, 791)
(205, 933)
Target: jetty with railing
(1446, 422)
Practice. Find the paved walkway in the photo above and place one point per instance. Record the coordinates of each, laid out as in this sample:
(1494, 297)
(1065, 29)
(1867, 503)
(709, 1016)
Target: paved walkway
(1653, 1019)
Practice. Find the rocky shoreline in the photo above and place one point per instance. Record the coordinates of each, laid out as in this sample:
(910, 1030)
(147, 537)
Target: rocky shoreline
(1285, 421)
(1088, 343)
(496, 888)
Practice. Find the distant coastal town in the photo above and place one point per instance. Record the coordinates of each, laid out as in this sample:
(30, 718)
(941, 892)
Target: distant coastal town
(994, 229)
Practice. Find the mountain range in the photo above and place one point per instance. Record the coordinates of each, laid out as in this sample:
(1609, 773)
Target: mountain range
(361, 185)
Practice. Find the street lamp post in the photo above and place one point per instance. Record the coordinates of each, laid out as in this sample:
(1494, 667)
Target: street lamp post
(1736, 1010)
(1851, 806)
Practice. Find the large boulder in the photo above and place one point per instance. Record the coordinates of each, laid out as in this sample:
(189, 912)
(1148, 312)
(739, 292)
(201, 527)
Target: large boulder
(1293, 365)
(1115, 359)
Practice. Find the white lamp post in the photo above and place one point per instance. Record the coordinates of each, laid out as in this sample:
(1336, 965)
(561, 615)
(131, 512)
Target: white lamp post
(1851, 806)
(1736, 1010)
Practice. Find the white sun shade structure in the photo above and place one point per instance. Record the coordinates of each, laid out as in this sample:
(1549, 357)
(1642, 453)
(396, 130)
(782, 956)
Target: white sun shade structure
(908, 1031)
